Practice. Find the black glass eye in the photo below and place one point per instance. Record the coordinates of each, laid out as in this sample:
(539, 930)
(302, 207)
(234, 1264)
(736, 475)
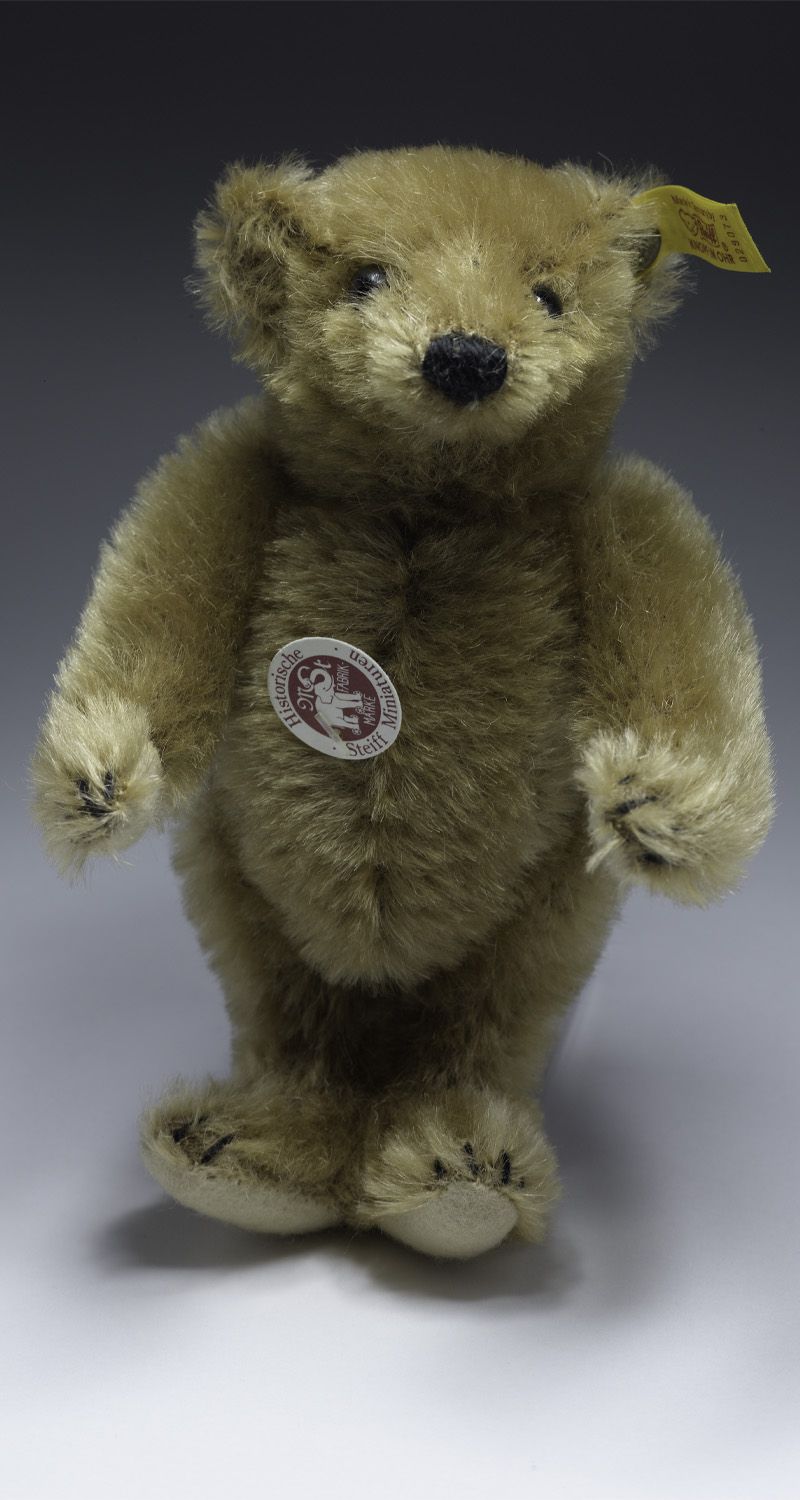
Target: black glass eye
(367, 280)
(548, 299)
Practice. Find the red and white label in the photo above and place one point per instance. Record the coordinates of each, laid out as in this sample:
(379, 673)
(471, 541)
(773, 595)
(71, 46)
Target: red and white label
(334, 697)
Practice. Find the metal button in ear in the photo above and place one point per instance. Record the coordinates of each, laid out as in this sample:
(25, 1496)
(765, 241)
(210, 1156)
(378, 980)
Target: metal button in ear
(649, 251)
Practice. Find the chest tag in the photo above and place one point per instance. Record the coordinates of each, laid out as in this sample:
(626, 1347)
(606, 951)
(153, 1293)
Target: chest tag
(334, 697)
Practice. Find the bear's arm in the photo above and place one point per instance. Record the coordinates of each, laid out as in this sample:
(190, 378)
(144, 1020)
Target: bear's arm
(673, 751)
(143, 691)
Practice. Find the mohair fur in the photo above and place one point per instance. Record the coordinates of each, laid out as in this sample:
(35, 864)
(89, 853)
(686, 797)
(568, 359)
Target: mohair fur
(398, 937)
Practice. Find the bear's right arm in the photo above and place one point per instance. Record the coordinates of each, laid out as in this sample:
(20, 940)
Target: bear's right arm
(143, 691)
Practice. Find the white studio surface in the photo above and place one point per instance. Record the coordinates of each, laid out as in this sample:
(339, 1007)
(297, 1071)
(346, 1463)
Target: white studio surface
(647, 1352)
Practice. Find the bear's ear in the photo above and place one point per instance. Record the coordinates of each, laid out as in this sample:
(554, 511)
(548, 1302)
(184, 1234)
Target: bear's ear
(660, 281)
(244, 239)
(620, 228)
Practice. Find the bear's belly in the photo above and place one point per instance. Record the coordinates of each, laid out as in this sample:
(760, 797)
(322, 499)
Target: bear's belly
(388, 868)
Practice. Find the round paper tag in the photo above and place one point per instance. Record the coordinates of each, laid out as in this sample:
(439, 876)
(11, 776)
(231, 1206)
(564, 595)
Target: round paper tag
(334, 698)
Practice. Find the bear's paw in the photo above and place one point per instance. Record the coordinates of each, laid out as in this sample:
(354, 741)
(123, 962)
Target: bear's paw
(97, 779)
(680, 818)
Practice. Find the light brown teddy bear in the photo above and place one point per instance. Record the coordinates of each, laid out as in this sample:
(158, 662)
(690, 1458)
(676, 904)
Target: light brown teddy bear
(429, 677)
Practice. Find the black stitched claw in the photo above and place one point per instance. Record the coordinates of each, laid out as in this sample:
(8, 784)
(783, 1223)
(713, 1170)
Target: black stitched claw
(439, 1169)
(655, 859)
(504, 1164)
(181, 1131)
(626, 807)
(471, 1162)
(90, 806)
(94, 808)
(214, 1150)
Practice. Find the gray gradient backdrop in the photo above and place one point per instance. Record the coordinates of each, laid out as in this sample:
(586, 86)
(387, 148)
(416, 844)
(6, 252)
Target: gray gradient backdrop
(649, 1350)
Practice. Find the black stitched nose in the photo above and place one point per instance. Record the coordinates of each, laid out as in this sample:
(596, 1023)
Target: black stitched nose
(464, 367)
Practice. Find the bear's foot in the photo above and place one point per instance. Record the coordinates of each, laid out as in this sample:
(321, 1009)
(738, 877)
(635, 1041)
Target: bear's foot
(456, 1175)
(462, 1220)
(226, 1151)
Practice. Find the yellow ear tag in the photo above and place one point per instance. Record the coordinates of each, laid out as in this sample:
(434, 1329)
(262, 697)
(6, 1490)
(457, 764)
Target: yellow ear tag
(691, 225)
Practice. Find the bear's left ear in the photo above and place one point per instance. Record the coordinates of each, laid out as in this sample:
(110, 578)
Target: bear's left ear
(659, 281)
(244, 239)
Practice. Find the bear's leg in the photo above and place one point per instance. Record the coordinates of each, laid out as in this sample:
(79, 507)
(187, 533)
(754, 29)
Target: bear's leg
(271, 1148)
(404, 1111)
(458, 1161)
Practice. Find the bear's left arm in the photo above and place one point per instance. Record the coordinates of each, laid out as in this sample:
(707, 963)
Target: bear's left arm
(673, 751)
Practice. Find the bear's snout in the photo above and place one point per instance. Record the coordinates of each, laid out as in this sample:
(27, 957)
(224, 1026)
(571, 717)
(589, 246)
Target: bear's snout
(464, 367)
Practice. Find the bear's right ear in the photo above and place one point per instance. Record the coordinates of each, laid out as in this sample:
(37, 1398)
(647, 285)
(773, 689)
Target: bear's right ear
(243, 242)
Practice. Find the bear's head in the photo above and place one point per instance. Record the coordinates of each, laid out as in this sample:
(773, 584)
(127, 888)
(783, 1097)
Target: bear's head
(435, 315)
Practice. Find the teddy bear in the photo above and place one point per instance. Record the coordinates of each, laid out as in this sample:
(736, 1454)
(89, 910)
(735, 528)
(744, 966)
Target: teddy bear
(429, 679)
